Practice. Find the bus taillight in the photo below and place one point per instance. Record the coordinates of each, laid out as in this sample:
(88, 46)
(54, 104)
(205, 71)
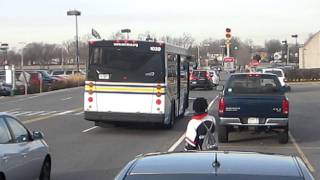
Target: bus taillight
(158, 101)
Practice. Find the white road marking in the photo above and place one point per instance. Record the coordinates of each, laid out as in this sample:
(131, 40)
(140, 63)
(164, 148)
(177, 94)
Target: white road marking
(66, 98)
(35, 113)
(302, 155)
(12, 110)
(176, 144)
(64, 112)
(21, 113)
(211, 103)
(94, 127)
(47, 112)
(79, 113)
(192, 98)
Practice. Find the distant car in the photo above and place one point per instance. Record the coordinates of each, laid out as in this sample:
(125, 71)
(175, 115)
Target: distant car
(215, 165)
(201, 79)
(23, 155)
(65, 73)
(280, 74)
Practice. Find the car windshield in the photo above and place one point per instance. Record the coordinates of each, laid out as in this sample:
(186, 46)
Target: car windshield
(199, 74)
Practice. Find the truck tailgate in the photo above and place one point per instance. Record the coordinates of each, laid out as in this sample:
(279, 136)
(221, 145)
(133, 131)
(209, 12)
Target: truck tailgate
(241, 106)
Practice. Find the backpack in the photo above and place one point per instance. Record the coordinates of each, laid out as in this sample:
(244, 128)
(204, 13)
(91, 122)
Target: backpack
(209, 141)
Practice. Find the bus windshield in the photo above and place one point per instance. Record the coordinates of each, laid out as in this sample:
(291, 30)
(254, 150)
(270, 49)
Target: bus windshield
(114, 64)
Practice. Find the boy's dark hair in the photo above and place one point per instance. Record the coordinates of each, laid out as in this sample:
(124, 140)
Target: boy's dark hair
(200, 105)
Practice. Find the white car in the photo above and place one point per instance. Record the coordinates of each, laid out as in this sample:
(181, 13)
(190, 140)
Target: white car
(280, 74)
(214, 77)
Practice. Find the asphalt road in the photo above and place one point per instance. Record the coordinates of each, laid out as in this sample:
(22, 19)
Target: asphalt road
(83, 152)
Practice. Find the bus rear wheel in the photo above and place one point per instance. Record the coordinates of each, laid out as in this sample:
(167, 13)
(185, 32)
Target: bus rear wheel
(172, 117)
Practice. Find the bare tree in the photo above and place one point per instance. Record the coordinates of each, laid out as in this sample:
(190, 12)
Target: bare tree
(272, 46)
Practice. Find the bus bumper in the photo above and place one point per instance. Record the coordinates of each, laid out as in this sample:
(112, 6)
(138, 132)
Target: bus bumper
(123, 117)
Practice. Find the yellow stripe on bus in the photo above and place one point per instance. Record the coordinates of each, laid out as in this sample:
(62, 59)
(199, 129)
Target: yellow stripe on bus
(125, 89)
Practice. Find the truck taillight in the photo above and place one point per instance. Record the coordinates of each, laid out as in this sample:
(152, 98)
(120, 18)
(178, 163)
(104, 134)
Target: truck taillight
(285, 106)
(192, 77)
(221, 106)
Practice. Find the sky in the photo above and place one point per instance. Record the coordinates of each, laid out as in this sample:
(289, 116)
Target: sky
(259, 20)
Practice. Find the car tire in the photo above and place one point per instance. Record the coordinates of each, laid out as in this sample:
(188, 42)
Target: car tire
(223, 134)
(172, 117)
(283, 136)
(2, 177)
(45, 170)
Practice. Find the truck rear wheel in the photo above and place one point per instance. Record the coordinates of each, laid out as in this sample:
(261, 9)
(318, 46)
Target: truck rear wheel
(223, 134)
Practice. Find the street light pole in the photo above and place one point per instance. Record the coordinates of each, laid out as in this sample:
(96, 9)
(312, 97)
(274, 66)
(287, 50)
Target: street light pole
(77, 44)
(76, 13)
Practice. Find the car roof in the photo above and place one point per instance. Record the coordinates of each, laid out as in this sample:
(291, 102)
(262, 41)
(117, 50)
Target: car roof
(272, 69)
(239, 163)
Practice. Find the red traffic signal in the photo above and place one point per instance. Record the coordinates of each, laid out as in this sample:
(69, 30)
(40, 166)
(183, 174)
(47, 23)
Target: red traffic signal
(228, 33)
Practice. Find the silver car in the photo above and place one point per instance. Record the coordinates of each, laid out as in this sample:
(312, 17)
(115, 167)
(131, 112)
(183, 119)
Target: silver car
(23, 155)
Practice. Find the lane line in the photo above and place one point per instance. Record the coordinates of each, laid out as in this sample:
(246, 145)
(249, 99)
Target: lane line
(64, 112)
(35, 113)
(87, 130)
(79, 113)
(177, 143)
(211, 103)
(66, 98)
(302, 155)
(47, 113)
(45, 117)
(192, 98)
(17, 113)
(12, 110)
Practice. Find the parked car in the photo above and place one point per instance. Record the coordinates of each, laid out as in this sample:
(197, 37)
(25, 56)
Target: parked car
(23, 155)
(207, 165)
(65, 73)
(201, 79)
(253, 100)
(5, 89)
(280, 74)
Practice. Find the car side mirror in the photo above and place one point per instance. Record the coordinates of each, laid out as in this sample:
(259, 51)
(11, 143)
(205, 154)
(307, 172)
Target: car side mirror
(36, 135)
(220, 88)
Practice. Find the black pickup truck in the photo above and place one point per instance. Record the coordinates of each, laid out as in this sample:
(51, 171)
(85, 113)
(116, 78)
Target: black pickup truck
(253, 100)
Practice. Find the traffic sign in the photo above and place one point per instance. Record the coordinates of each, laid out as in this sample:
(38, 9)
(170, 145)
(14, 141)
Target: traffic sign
(229, 59)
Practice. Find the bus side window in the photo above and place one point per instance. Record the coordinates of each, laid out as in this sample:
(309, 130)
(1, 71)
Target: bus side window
(172, 65)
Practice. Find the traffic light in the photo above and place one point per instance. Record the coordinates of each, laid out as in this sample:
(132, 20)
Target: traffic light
(228, 33)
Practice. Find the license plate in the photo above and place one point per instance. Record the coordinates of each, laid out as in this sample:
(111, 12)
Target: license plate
(253, 120)
(194, 82)
(104, 76)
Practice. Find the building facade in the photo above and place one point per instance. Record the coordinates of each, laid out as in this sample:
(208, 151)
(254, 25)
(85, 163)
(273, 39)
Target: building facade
(309, 54)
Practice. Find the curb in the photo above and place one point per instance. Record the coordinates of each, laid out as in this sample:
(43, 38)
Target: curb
(303, 83)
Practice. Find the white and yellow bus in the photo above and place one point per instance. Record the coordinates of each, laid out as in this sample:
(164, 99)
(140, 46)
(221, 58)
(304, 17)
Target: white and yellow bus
(136, 81)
